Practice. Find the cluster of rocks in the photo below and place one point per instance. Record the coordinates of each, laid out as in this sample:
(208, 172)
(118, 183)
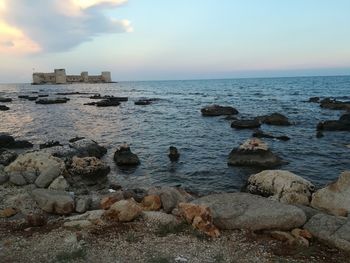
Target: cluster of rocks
(106, 101)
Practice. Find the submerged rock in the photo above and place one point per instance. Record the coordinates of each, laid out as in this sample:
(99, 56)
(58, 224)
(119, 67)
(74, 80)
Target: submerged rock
(35, 167)
(52, 101)
(261, 134)
(174, 154)
(124, 157)
(275, 119)
(4, 108)
(334, 198)
(217, 110)
(255, 153)
(332, 230)
(7, 157)
(3, 99)
(246, 124)
(143, 102)
(314, 99)
(247, 211)
(282, 186)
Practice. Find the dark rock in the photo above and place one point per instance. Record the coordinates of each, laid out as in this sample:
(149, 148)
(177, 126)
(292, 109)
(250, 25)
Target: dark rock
(7, 157)
(86, 147)
(254, 153)
(143, 102)
(124, 157)
(43, 95)
(107, 103)
(111, 98)
(314, 99)
(23, 96)
(75, 139)
(138, 194)
(4, 108)
(20, 144)
(275, 119)
(174, 155)
(6, 139)
(334, 104)
(49, 144)
(36, 219)
(246, 124)
(52, 101)
(319, 134)
(345, 117)
(2, 99)
(217, 110)
(334, 126)
(261, 134)
(32, 98)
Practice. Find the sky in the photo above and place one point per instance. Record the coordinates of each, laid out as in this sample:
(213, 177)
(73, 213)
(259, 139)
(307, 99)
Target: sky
(182, 39)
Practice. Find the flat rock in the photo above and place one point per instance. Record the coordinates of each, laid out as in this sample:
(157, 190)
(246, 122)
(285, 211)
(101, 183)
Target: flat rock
(246, 124)
(253, 153)
(282, 186)
(332, 230)
(275, 119)
(3, 99)
(53, 201)
(334, 198)
(51, 101)
(38, 167)
(247, 211)
(217, 110)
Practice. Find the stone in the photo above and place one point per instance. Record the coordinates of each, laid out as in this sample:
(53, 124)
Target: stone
(297, 232)
(47, 101)
(88, 167)
(282, 186)
(82, 204)
(334, 198)
(217, 110)
(332, 230)
(123, 211)
(49, 144)
(137, 194)
(170, 197)
(78, 224)
(8, 212)
(4, 108)
(199, 217)
(108, 201)
(54, 201)
(107, 103)
(174, 154)
(20, 144)
(60, 183)
(63, 152)
(334, 125)
(143, 102)
(282, 236)
(247, 211)
(2, 99)
(275, 119)
(124, 157)
(254, 153)
(334, 104)
(36, 219)
(94, 216)
(7, 157)
(159, 218)
(3, 176)
(6, 139)
(151, 203)
(260, 134)
(245, 124)
(314, 99)
(17, 179)
(88, 148)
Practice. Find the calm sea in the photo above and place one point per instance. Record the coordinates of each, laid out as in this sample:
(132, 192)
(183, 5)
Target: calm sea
(175, 119)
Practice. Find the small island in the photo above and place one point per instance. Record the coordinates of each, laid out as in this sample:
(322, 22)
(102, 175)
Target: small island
(59, 77)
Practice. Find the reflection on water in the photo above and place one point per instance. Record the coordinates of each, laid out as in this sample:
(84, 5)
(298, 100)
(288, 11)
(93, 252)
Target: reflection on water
(175, 119)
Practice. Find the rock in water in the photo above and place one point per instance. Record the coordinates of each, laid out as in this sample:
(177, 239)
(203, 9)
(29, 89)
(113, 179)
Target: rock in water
(88, 148)
(343, 124)
(217, 110)
(47, 101)
(282, 186)
(88, 167)
(2, 99)
(334, 198)
(254, 153)
(6, 139)
(123, 211)
(4, 108)
(6, 157)
(331, 230)
(124, 157)
(53, 201)
(173, 155)
(275, 119)
(35, 167)
(260, 134)
(247, 211)
(245, 124)
(49, 144)
(334, 104)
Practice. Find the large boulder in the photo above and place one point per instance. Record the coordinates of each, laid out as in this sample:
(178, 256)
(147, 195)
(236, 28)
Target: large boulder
(334, 198)
(88, 148)
(53, 201)
(124, 157)
(246, 124)
(6, 157)
(123, 211)
(151, 203)
(275, 119)
(170, 197)
(254, 153)
(88, 167)
(282, 186)
(332, 230)
(247, 211)
(334, 104)
(6, 139)
(343, 124)
(35, 167)
(217, 110)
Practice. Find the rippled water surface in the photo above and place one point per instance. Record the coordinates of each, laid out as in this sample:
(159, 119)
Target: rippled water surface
(175, 119)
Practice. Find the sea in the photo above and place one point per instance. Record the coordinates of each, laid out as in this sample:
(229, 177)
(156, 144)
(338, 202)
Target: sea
(174, 119)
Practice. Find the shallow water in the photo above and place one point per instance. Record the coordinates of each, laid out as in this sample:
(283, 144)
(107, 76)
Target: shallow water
(175, 119)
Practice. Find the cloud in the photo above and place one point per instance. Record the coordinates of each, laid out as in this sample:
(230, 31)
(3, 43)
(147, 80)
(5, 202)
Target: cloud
(56, 25)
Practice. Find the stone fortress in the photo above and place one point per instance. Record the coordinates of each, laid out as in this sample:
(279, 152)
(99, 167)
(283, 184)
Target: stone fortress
(59, 77)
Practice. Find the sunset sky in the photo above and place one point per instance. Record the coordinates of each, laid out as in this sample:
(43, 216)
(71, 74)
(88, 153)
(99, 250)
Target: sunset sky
(183, 39)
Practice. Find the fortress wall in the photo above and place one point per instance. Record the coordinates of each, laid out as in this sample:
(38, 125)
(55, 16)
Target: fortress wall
(74, 78)
(60, 75)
